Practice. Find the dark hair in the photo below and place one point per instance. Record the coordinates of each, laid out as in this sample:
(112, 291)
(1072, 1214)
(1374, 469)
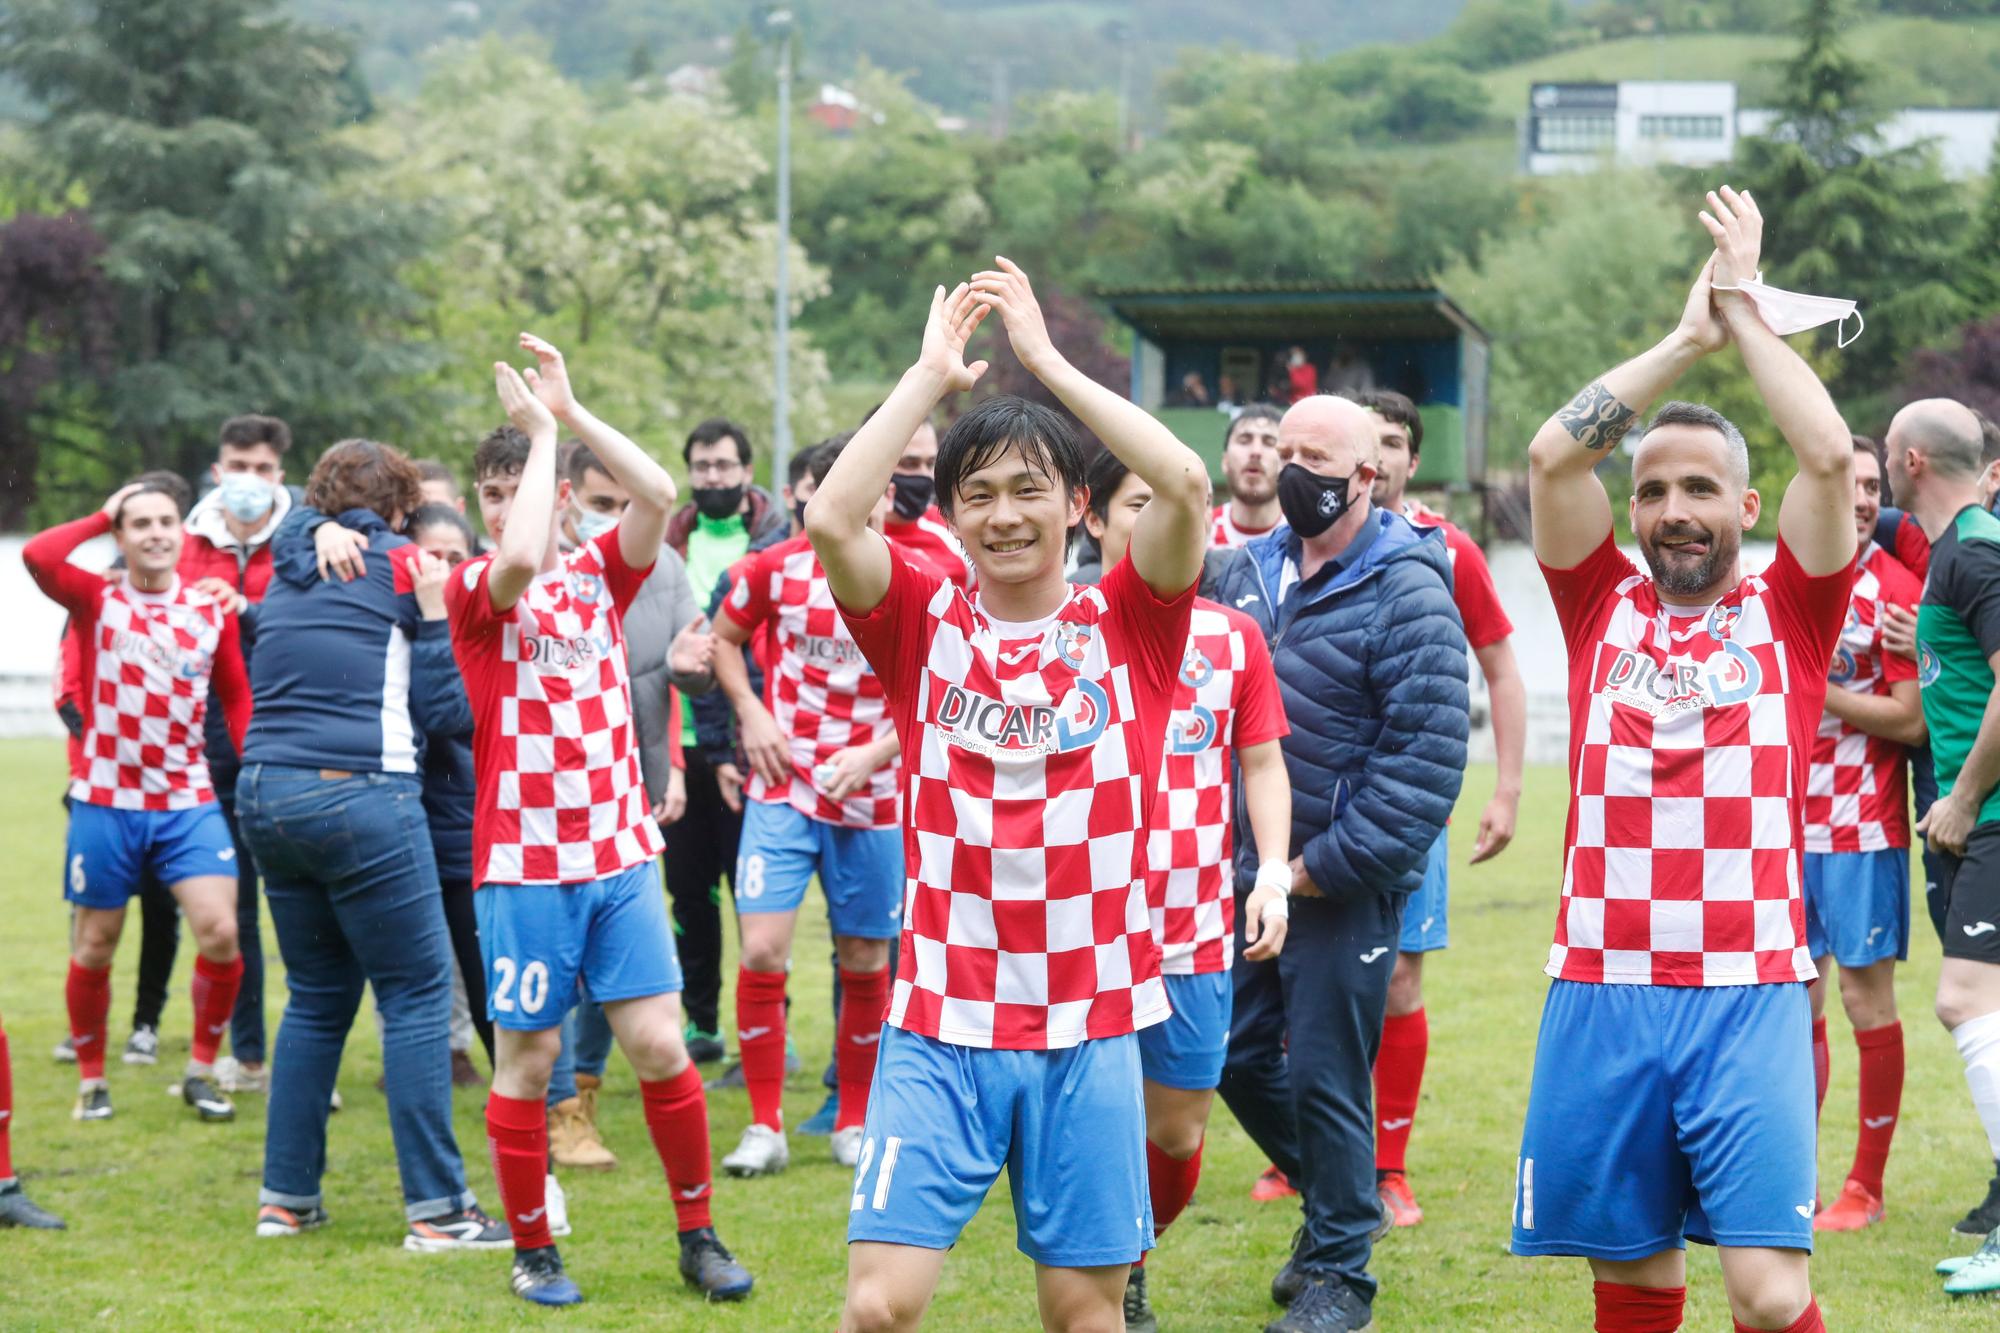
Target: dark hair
(362, 474)
(820, 458)
(434, 515)
(430, 469)
(1989, 439)
(170, 484)
(1047, 441)
(801, 462)
(1678, 413)
(1397, 410)
(503, 453)
(579, 460)
(250, 430)
(1864, 444)
(1105, 475)
(1254, 412)
(714, 429)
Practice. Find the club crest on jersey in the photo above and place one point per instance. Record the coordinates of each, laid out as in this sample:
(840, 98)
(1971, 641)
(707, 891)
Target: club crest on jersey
(1722, 619)
(993, 727)
(1682, 684)
(1193, 731)
(1929, 668)
(1844, 668)
(1196, 669)
(586, 588)
(1073, 642)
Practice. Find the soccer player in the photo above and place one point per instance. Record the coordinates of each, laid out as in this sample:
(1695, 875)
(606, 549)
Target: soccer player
(152, 646)
(1857, 847)
(914, 521)
(1934, 463)
(564, 843)
(1226, 711)
(16, 1208)
(1032, 722)
(822, 801)
(1406, 1034)
(1673, 1088)
(1250, 474)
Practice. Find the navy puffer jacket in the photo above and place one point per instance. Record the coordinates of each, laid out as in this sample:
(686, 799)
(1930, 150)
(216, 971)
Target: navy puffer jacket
(1371, 665)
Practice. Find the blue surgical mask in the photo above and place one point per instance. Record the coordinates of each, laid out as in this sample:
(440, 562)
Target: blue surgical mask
(247, 496)
(591, 525)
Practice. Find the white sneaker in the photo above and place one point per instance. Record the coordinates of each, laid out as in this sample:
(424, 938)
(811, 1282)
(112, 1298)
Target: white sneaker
(233, 1077)
(847, 1145)
(763, 1152)
(558, 1203)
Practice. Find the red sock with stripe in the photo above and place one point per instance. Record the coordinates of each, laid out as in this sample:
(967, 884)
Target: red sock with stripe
(677, 1118)
(1399, 1080)
(1822, 1064)
(1881, 1101)
(1809, 1322)
(88, 993)
(517, 1132)
(214, 990)
(1623, 1309)
(863, 997)
(760, 1043)
(6, 1109)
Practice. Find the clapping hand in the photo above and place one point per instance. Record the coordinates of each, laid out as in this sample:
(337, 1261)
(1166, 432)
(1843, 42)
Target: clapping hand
(1007, 290)
(1738, 228)
(952, 321)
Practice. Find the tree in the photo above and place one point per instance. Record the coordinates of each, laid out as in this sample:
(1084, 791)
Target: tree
(1077, 331)
(1979, 259)
(246, 271)
(55, 337)
(1969, 372)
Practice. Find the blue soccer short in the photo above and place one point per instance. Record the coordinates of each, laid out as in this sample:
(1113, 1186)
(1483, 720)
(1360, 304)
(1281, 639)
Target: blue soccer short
(1858, 905)
(860, 869)
(537, 939)
(1661, 1114)
(1186, 1051)
(1068, 1126)
(1424, 924)
(109, 850)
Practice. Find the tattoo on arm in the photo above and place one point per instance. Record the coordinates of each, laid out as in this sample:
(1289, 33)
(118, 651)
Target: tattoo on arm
(1595, 418)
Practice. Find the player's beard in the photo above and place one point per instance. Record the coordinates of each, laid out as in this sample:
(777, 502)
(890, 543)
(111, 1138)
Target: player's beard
(1681, 577)
(1259, 488)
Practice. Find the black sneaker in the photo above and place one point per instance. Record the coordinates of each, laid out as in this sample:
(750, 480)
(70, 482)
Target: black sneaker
(200, 1092)
(1285, 1286)
(538, 1276)
(18, 1210)
(468, 1229)
(707, 1263)
(1986, 1216)
(1323, 1305)
(143, 1046)
(92, 1104)
(705, 1048)
(276, 1220)
(1139, 1316)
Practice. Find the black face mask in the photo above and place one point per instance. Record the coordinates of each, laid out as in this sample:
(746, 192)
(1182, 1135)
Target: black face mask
(799, 514)
(914, 493)
(718, 501)
(1311, 503)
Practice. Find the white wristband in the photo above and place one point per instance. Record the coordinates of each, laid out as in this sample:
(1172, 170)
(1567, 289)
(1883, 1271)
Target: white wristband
(1275, 875)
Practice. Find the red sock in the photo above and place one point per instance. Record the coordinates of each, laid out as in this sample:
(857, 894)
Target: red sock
(89, 995)
(1399, 1078)
(1171, 1183)
(1809, 1322)
(1623, 1309)
(1822, 1064)
(6, 1108)
(517, 1131)
(1881, 1100)
(677, 1118)
(863, 997)
(214, 990)
(760, 1043)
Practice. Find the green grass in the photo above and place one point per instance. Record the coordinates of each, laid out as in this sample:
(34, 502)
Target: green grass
(161, 1207)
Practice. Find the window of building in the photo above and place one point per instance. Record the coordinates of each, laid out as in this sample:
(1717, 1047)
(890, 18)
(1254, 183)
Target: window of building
(1573, 132)
(1680, 127)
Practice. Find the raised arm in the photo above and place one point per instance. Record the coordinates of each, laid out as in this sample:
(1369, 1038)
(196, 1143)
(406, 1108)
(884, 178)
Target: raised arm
(46, 555)
(531, 520)
(1816, 518)
(1171, 534)
(644, 528)
(855, 557)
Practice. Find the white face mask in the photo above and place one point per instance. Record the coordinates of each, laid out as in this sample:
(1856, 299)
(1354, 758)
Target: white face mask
(591, 525)
(1786, 313)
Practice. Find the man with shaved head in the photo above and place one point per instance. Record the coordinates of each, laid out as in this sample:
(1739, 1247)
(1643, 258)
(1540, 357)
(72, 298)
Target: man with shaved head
(1371, 663)
(1935, 461)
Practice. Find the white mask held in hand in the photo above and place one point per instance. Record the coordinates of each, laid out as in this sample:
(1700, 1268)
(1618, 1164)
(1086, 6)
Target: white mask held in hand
(1785, 313)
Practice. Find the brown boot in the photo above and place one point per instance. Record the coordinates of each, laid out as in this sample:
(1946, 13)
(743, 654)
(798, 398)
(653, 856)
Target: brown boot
(573, 1140)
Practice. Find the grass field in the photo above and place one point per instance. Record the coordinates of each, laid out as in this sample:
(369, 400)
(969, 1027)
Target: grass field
(161, 1207)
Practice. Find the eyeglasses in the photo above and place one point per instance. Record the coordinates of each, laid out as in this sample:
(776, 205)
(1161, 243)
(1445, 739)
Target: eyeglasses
(715, 470)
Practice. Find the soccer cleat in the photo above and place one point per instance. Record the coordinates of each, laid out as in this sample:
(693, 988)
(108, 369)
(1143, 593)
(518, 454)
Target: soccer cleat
(847, 1145)
(467, 1229)
(18, 1210)
(762, 1152)
(273, 1220)
(1854, 1209)
(1394, 1190)
(704, 1048)
(707, 1264)
(1946, 1267)
(1981, 1220)
(557, 1203)
(465, 1074)
(1285, 1286)
(143, 1046)
(538, 1276)
(820, 1123)
(573, 1140)
(1139, 1316)
(65, 1051)
(1271, 1186)
(207, 1100)
(92, 1104)
(1980, 1273)
(1323, 1305)
(232, 1075)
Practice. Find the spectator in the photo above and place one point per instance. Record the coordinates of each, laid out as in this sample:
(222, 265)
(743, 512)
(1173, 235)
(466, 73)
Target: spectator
(1301, 376)
(440, 485)
(1191, 393)
(1349, 376)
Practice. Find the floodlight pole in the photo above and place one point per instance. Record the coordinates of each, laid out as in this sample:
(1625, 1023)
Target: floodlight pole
(780, 22)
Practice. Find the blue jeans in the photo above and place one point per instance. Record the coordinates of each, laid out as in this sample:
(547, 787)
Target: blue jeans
(246, 1021)
(586, 1046)
(353, 891)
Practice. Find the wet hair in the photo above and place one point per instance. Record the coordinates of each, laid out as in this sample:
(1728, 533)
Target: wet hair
(1679, 413)
(503, 453)
(250, 430)
(436, 515)
(430, 469)
(1254, 412)
(1104, 476)
(363, 474)
(1047, 441)
(1398, 410)
(821, 457)
(170, 484)
(713, 430)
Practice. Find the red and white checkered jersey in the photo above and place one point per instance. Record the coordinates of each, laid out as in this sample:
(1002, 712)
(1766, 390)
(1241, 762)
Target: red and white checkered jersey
(1472, 589)
(1226, 532)
(1690, 732)
(559, 798)
(820, 689)
(1855, 793)
(1226, 698)
(1031, 754)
